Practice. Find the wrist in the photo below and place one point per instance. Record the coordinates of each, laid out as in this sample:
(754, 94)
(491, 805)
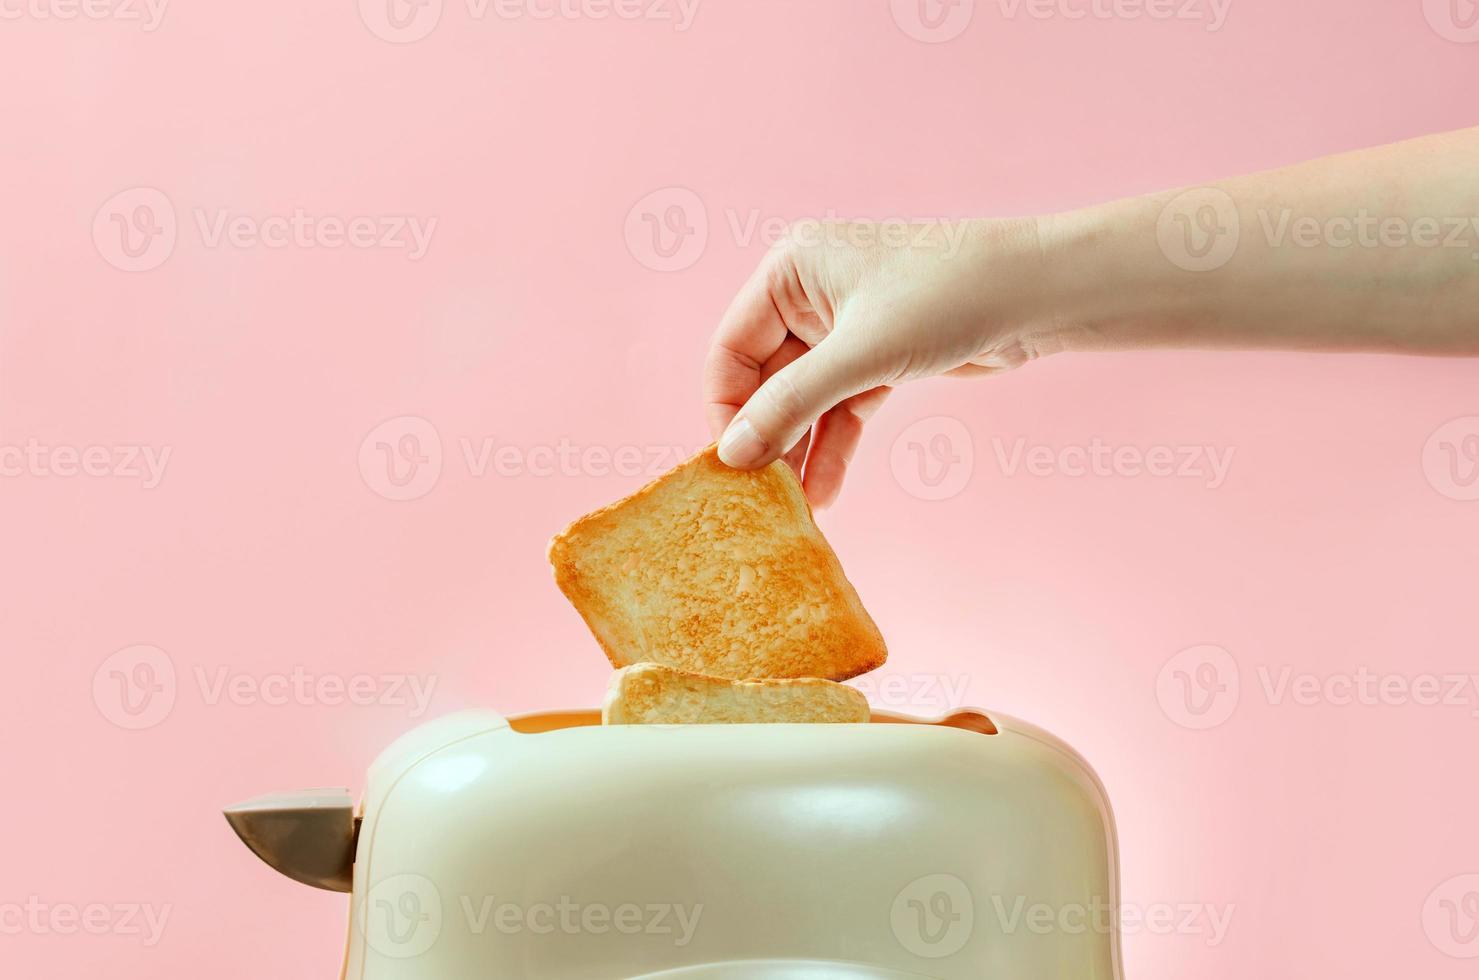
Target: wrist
(1017, 277)
(1110, 283)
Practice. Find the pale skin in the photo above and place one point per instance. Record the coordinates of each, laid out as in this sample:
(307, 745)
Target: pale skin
(1376, 251)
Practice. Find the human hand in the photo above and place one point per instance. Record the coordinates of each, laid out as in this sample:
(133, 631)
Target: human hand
(838, 313)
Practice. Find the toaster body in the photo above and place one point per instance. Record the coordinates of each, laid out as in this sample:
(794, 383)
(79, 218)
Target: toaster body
(552, 848)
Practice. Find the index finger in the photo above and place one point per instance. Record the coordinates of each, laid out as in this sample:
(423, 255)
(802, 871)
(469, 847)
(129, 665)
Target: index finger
(749, 334)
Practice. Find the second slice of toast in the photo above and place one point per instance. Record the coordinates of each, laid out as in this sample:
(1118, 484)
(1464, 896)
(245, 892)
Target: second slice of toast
(651, 694)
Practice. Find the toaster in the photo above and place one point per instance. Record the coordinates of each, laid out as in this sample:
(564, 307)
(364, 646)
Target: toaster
(551, 847)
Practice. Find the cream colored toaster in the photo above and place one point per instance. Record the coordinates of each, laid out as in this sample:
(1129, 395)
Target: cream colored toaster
(549, 847)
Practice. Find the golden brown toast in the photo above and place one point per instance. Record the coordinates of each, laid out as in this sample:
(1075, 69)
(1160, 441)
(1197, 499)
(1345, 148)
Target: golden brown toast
(716, 571)
(651, 694)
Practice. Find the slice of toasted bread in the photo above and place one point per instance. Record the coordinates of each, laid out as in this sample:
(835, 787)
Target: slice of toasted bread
(651, 694)
(716, 571)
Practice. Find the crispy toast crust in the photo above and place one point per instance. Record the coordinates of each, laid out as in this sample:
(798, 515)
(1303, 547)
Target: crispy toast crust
(716, 571)
(656, 695)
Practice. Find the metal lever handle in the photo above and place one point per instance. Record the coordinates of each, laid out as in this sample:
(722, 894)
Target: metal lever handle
(308, 835)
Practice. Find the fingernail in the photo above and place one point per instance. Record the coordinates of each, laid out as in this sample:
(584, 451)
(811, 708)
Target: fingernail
(741, 445)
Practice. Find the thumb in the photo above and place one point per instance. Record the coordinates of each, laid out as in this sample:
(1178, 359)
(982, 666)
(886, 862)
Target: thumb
(778, 414)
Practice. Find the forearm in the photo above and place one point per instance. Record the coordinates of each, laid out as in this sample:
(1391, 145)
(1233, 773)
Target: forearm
(1376, 250)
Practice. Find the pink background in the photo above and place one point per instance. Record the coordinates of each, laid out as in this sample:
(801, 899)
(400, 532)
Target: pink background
(531, 320)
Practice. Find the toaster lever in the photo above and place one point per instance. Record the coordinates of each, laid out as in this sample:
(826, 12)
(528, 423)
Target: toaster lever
(308, 835)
